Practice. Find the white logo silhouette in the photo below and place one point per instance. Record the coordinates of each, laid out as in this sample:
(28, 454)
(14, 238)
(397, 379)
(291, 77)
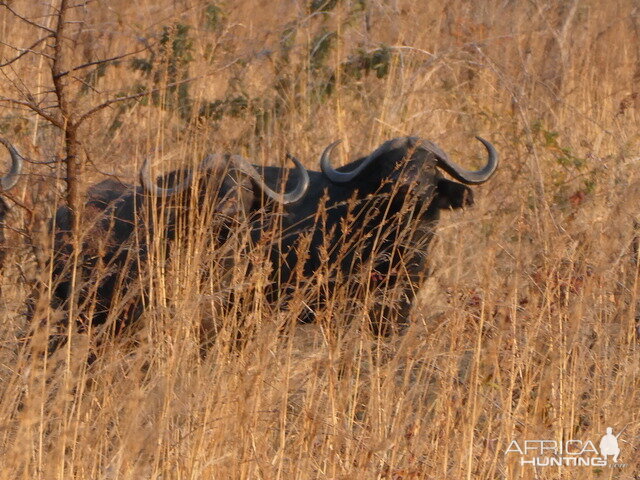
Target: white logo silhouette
(609, 445)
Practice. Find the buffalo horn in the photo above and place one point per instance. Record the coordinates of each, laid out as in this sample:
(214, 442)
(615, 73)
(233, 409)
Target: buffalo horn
(465, 176)
(11, 178)
(151, 186)
(285, 198)
(342, 177)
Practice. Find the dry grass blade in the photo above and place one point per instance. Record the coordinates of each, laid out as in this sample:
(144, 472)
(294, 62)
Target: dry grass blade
(527, 326)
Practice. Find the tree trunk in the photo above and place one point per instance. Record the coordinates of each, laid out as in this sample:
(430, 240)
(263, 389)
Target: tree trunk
(72, 150)
(60, 77)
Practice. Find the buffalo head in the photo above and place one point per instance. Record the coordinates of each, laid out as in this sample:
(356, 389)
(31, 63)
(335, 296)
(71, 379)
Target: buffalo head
(410, 166)
(381, 214)
(227, 187)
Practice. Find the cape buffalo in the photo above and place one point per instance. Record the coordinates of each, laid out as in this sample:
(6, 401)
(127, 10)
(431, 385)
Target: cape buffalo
(120, 222)
(367, 226)
(6, 183)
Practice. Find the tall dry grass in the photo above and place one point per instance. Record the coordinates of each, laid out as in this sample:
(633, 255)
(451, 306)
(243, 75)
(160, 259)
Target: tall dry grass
(526, 329)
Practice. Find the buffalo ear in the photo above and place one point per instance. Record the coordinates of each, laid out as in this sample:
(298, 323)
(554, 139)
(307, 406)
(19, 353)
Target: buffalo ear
(453, 195)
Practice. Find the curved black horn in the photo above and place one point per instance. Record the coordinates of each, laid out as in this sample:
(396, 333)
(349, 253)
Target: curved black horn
(286, 198)
(467, 176)
(11, 178)
(151, 186)
(342, 177)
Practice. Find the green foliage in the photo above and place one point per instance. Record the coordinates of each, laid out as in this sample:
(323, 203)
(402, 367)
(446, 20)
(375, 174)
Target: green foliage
(320, 72)
(287, 39)
(590, 185)
(363, 62)
(213, 18)
(563, 155)
(575, 180)
(177, 45)
(233, 106)
(123, 106)
(141, 65)
(322, 5)
(90, 80)
(170, 69)
(320, 48)
(14, 125)
(176, 48)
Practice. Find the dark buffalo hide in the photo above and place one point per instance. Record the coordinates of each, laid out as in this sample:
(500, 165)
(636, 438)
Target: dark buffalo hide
(120, 224)
(367, 235)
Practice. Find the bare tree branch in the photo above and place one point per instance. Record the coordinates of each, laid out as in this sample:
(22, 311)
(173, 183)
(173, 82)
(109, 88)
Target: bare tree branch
(43, 162)
(99, 62)
(24, 51)
(19, 203)
(108, 103)
(83, 4)
(40, 111)
(26, 20)
(99, 170)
